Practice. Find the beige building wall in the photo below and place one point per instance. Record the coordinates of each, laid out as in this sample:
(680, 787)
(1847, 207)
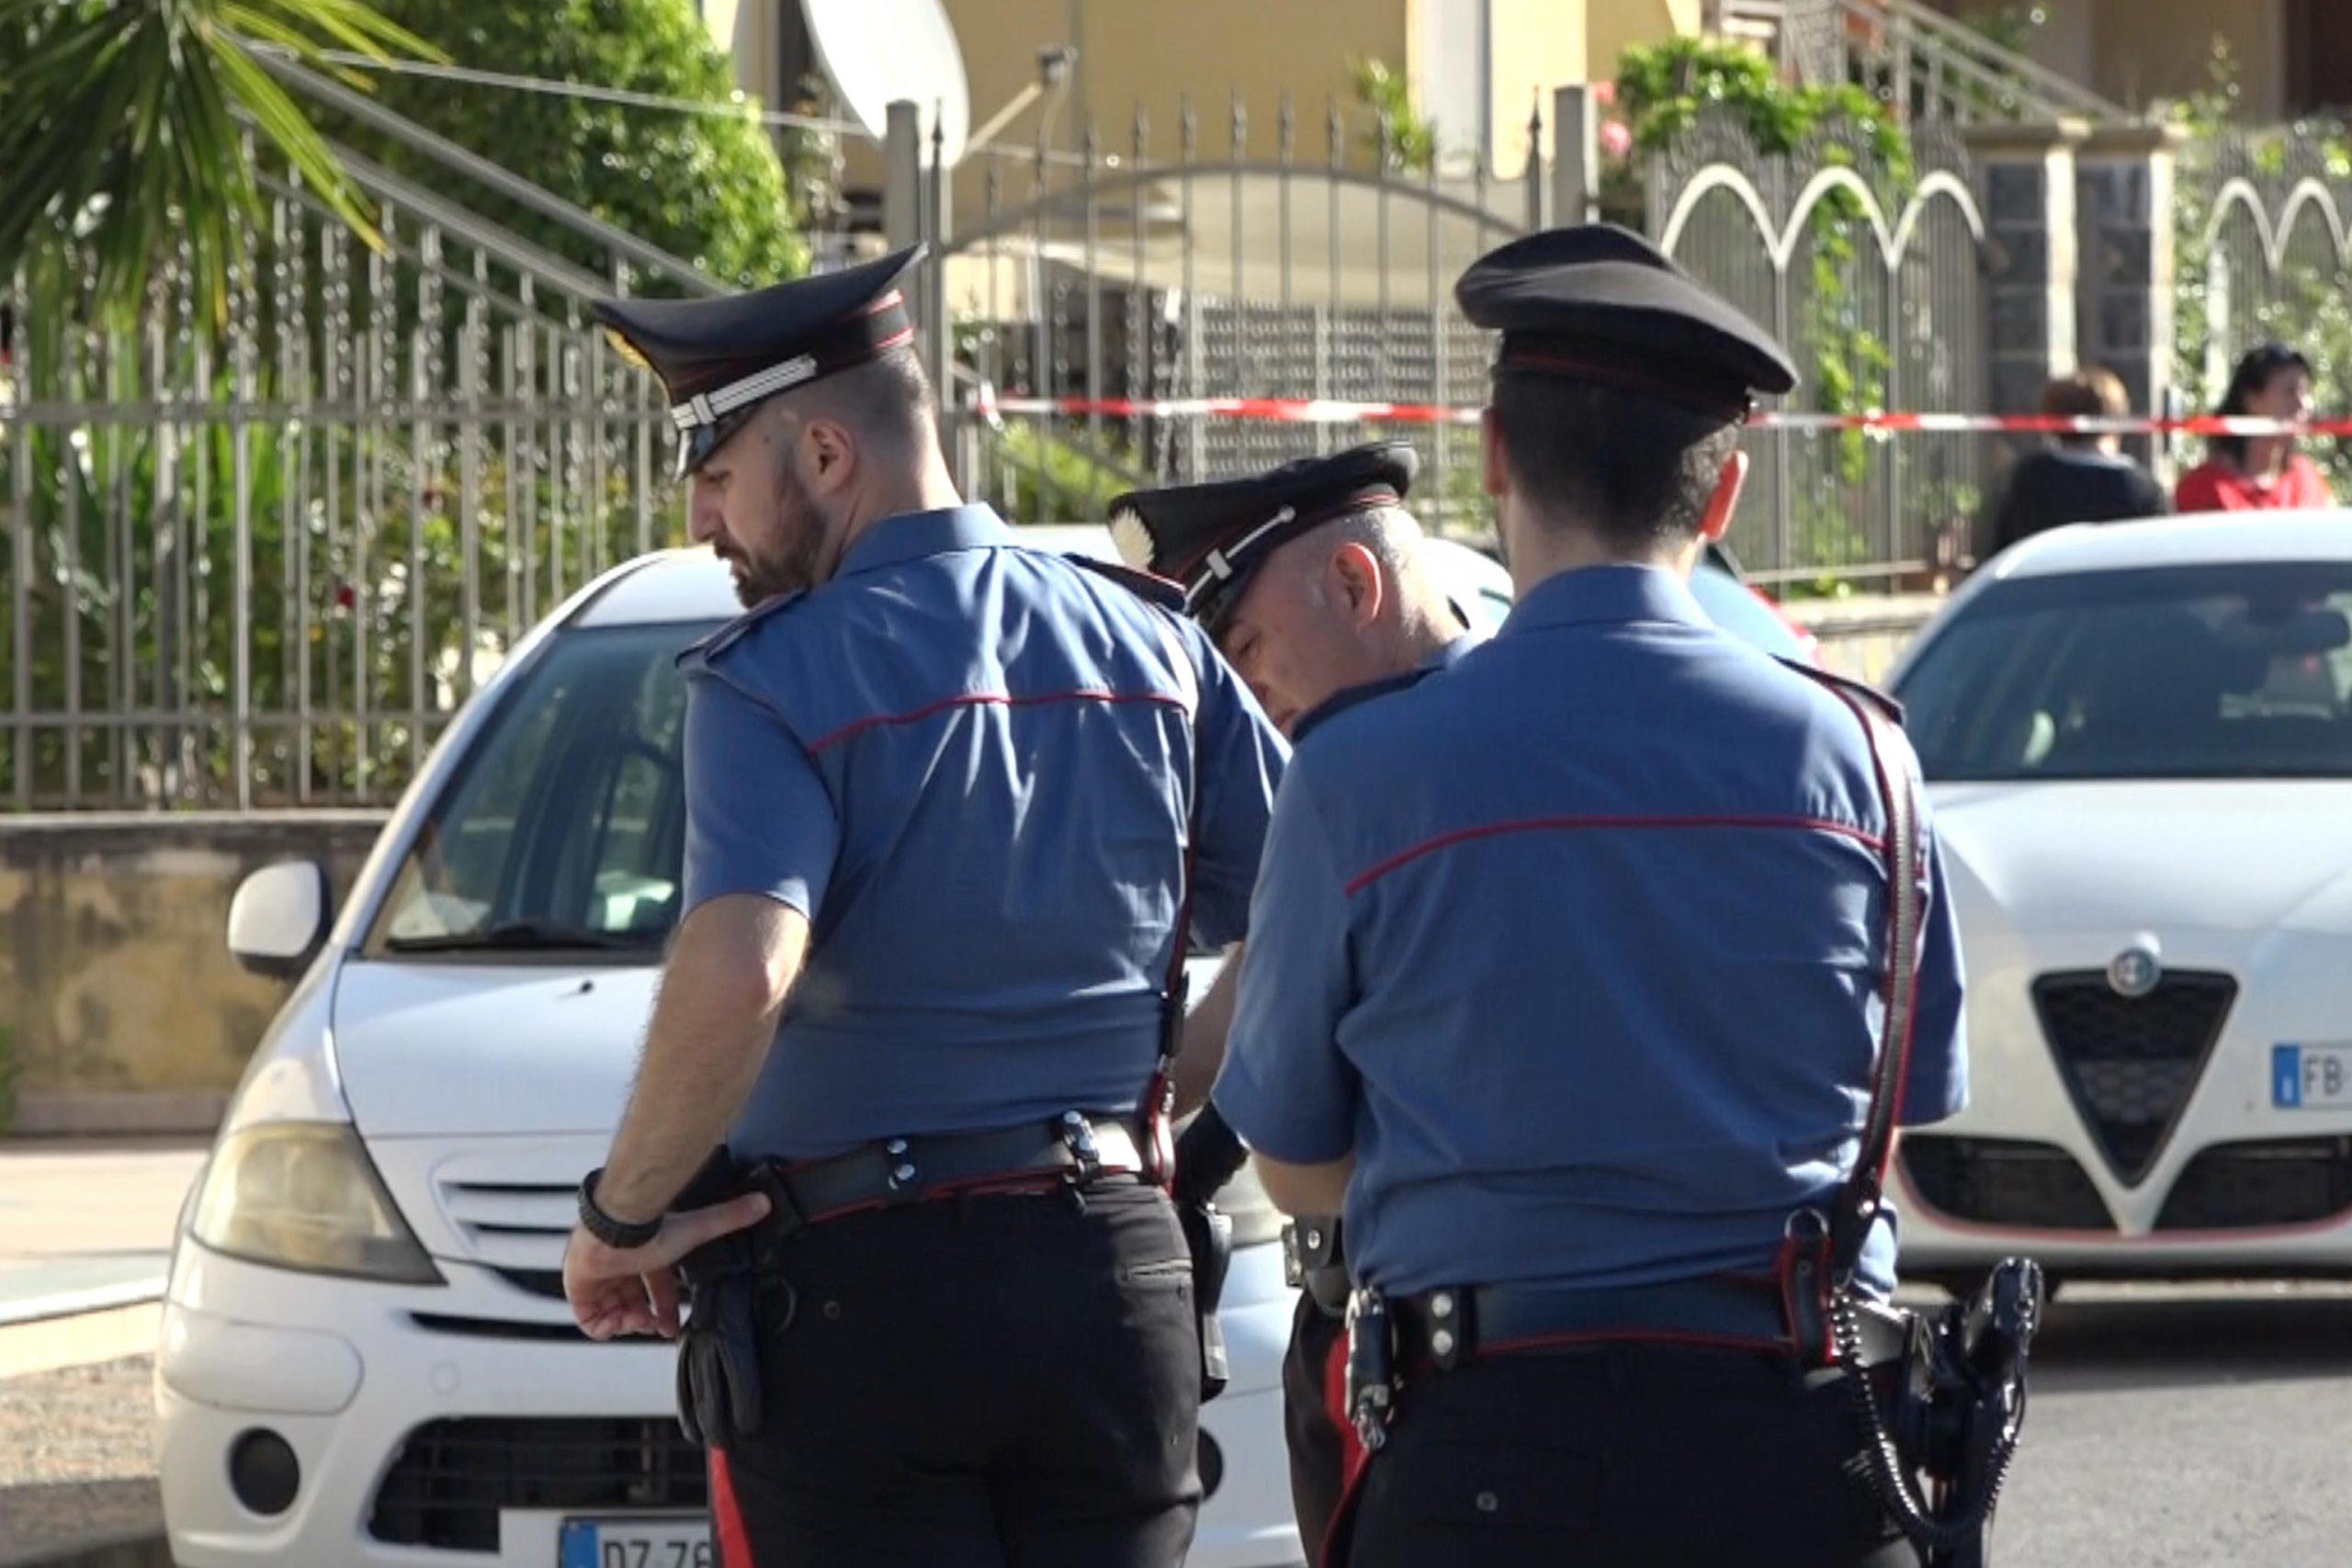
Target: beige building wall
(746, 30)
(1538, 45)
(1138, 53)
(1611, 25)
(2068, 41)
(2135, 51)
(1152, 53)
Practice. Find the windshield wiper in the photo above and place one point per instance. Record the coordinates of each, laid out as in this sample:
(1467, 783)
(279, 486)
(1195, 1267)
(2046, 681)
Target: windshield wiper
(522, 936)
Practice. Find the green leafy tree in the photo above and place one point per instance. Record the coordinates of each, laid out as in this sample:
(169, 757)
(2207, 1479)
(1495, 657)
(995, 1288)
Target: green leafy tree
(707, 188)
(122, 128)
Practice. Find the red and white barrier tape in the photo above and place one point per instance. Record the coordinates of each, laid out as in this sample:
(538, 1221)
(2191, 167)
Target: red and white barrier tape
(1328, 411)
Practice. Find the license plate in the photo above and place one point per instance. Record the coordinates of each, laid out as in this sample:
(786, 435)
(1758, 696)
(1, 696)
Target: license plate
(2310, 1077)
(637, 1543)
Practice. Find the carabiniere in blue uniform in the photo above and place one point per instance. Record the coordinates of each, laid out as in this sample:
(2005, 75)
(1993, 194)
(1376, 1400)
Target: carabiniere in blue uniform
(1214, 540)
(1568, 961)
(967, 1333)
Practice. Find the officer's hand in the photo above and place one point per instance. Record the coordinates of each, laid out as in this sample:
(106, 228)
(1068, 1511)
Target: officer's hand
(616, 1291)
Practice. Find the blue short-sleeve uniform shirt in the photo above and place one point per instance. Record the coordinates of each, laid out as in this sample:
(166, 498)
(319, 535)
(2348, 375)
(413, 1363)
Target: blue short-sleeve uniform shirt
(969, 764)
(1577, 945)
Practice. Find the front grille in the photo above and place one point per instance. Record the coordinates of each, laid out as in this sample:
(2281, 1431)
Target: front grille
(517, 1225)
(504, 1328)
(1996, 1182)
(2132, 1061)
(450, 1479)
(547, 1283)
(2282, 1181)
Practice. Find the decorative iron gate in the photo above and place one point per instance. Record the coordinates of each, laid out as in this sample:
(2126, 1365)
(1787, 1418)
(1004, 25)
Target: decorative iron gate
(1122, 276)
(2265, 237)
(1875, 283)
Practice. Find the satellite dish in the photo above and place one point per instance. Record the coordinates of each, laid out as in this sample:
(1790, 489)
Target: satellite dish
(876, 50)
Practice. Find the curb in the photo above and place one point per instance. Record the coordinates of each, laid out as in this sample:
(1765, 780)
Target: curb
(76, 1304)
(82, 1338)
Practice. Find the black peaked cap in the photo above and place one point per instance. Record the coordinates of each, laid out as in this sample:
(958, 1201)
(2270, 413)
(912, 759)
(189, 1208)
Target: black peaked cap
(720, 357)
(1601, 304)
(1208, 539)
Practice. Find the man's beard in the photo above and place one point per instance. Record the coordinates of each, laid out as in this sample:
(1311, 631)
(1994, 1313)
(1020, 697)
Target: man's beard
(793, 567)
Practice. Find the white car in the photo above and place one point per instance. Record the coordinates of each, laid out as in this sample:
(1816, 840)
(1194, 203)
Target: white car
(366, 1354)
(2138, 743)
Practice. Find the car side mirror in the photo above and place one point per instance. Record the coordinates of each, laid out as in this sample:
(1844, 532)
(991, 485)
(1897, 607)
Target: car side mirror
(278, 919)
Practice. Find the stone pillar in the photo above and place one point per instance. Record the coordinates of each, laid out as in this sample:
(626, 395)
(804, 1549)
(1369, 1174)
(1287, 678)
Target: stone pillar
(2123, 207)
(2026, 185)
(1576, 154)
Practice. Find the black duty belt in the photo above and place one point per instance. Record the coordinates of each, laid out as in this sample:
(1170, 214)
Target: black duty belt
(1445, 1330)
(1073, 1147)
(1315, 1262)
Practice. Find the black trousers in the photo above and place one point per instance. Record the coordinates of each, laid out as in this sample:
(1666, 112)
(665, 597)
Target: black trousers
(1617, 1455)
(1318, 1446)
(992, 1382)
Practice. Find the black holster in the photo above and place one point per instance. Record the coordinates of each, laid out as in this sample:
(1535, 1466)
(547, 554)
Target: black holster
(1314, 1260)
(1956, 1416)
(719, 1392)
(1208, 1236)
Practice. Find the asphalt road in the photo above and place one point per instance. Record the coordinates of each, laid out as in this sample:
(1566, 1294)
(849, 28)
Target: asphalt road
(2186, 1424)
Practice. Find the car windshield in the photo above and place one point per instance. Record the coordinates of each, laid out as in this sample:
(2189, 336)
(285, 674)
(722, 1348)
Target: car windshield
(2237, 670)
(562, 832)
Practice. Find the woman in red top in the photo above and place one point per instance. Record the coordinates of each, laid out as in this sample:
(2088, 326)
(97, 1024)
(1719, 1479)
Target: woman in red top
(2252, 473)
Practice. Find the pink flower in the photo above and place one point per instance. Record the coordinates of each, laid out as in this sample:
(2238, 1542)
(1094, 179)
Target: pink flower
(1616, 138)
(1604, 92)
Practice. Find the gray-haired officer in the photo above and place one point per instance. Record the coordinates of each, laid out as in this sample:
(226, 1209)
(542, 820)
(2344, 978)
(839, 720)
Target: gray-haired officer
(1312, 580)
(1564, 974)
(939, 791)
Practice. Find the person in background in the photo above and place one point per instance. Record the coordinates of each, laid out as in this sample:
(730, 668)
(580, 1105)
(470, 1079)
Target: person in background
(2255, 473)
(2080, 478)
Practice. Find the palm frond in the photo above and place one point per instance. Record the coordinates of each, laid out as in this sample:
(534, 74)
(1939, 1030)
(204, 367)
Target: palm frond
(128, 129)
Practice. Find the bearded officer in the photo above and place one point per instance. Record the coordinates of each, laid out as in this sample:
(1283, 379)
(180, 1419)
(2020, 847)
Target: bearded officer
(1313, 579)
(940, 788)
(1565, 975)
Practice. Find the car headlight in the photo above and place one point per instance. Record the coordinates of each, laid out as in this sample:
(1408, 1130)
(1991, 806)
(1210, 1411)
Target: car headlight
(303, 1195)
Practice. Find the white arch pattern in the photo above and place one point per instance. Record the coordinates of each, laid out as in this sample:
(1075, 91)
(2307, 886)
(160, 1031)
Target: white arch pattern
(1893, 240)
(2240, 192)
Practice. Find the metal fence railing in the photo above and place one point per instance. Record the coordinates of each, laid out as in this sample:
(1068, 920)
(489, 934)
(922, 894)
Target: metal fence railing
(268, 574)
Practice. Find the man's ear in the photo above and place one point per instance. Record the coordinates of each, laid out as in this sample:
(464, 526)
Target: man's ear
(1355, 573)
(1490, 449)
(1725, 501)
(827, 454)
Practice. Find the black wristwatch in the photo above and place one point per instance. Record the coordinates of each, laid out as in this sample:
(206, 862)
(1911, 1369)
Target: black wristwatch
(621, 1234)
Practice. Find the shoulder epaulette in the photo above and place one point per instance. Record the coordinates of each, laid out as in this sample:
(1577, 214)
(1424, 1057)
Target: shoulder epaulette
(1143, 584)
(734, 631)
(1862, 689)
